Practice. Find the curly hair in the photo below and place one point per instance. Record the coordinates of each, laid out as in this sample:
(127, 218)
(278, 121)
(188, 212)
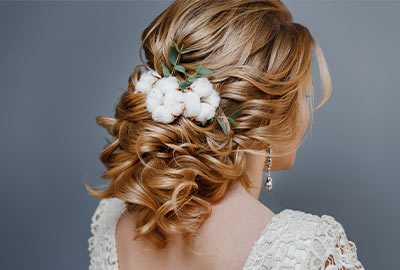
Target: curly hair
(170, 174)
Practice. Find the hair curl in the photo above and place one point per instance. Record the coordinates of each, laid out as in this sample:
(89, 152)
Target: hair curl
(170, 174)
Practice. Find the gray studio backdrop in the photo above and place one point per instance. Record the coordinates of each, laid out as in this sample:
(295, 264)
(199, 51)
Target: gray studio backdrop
(64, 63)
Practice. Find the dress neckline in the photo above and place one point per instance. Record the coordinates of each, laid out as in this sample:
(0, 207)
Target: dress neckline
(266, 228)
(253, 248)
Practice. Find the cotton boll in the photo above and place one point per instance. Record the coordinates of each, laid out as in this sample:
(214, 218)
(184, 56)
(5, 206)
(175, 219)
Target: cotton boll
(207, 111)
(145, 82)
(202, 87)
(167, 84)
(160, 114)
(154, 98)
(213, 99)
(173, 102)
(210, 114)
(155, 93)
(192, 104)
(152, 103)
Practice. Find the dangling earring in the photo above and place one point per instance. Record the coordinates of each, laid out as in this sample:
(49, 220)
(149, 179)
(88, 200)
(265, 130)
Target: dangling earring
(268, 163)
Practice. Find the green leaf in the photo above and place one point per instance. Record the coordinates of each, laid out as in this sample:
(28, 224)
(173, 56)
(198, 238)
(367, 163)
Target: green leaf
(235, 113)
(183, 85)
(165, 70)
(205, 71)
(180, 68)
(191, 50)
(192, 79)
(222, 125)
(210, 120)
(176, 46)
(173, 55)
(198, 68)
(232, 121)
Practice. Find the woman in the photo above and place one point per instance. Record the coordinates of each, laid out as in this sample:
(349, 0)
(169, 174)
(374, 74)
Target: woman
(184, 182)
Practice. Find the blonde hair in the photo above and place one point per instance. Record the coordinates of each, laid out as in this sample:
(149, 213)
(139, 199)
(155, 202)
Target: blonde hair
(170, 174)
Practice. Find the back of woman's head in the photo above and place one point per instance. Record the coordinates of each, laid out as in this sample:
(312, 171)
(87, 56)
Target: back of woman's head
(169, 174)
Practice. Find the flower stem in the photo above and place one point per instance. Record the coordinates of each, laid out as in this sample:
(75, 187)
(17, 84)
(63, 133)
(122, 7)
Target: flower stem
(177, 59)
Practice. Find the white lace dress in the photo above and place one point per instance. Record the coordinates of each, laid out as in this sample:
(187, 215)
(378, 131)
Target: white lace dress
(292, 240)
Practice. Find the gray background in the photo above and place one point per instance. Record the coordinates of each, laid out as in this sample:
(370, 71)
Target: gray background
(64, 63)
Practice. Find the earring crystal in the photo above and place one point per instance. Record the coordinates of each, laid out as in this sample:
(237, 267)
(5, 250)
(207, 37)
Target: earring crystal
(268, 163)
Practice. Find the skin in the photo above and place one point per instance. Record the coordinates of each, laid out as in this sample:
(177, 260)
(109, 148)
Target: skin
(223, 247)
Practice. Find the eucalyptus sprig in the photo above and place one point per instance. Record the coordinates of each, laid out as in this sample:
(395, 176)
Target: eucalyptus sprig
(230, 119)
(174, 57)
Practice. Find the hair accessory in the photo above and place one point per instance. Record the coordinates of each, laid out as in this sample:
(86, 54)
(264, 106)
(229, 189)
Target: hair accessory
(194, 98)
(268, 163)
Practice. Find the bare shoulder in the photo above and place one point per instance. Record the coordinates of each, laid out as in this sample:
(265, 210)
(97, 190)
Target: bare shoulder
(127, 248)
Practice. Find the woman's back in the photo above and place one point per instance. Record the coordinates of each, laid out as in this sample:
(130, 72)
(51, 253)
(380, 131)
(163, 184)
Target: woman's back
(251, 240)
(226, 239)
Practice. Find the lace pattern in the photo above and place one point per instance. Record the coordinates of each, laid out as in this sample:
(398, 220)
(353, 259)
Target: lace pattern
(102, 249)
(292, 240)
(285, 242)
(332, 250)
(295, 240)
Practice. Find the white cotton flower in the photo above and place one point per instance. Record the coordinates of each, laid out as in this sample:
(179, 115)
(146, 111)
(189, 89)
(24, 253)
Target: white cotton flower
(202, 87)
(213, 99)
(144, 84)
(192, 104)
(167, 84)
(161, 114)
(165, 101)
(155, 93)
(207, 111)
(152, 103)
(173, 102)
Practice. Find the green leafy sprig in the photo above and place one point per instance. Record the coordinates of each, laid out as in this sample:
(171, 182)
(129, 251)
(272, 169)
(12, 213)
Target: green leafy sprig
(174, 57)
(230, 119)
